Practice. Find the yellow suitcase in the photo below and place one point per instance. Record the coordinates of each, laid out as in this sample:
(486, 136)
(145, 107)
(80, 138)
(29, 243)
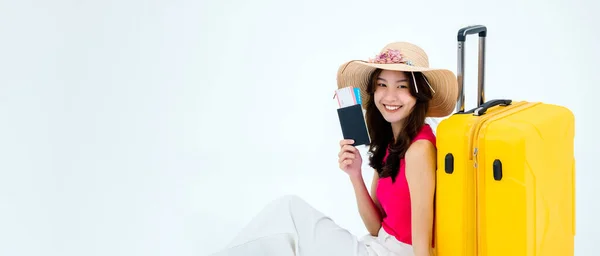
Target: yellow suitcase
(506, 175)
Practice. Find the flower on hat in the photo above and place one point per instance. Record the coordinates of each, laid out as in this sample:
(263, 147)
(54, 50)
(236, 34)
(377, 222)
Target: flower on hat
(390, 56)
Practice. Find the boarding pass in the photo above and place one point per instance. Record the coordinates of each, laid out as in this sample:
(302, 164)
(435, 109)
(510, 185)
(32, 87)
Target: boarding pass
(348, 96)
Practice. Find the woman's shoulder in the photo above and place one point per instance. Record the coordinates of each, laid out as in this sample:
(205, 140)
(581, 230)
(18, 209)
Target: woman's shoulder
(423, 145)
(426, 133)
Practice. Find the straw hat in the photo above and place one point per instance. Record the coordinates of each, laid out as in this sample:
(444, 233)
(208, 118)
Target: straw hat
(403, 56)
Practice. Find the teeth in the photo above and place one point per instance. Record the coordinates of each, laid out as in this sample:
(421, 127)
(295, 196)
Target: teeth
(392, 108)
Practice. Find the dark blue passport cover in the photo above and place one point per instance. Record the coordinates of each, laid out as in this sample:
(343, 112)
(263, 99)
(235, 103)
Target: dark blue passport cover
(353, 124)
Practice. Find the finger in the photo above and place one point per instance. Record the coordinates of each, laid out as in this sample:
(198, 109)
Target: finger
(344, 164)
(346, 156)
(346, 142)
(349, 148)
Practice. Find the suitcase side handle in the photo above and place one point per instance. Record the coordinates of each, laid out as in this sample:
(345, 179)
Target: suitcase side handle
(461, 37)
(481, 110)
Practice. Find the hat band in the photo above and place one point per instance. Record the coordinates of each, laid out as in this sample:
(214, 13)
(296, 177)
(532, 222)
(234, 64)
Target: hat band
(391, 56)
(415, 82)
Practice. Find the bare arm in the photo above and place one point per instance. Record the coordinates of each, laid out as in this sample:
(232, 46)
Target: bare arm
(420, 175)
(374, 195)
(368, 205)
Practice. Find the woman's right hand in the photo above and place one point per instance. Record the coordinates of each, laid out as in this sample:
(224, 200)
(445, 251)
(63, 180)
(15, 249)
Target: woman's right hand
(350, 160)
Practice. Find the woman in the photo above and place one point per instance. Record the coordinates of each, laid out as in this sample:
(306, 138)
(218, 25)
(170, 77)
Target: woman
(399, 91)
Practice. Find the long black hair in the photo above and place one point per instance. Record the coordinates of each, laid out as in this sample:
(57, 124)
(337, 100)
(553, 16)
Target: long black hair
(380, 130)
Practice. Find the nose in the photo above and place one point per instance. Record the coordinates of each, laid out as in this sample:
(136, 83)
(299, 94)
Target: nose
(390, 95)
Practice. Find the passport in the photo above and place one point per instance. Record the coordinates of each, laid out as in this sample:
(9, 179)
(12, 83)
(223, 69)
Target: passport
(351, 117)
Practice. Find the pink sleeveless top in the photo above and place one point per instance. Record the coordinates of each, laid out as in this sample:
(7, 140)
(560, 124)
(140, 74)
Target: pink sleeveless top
(395, 198)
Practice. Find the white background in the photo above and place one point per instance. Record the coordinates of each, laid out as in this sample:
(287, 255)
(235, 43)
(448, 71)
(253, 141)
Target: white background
(161, 127)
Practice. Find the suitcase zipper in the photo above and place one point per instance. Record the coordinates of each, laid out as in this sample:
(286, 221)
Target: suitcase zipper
(482, 120)
(474, 151)
(499, 114)
(505, 111)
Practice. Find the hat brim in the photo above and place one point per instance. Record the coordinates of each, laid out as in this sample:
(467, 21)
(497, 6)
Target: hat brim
(443, 82)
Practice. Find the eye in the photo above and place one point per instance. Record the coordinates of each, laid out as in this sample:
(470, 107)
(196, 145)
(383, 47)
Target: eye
(403, 86)
(380, 84)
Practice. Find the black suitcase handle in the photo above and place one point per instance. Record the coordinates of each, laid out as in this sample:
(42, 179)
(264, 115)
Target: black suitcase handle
(483, 108)
(461, 37)
(476, 29)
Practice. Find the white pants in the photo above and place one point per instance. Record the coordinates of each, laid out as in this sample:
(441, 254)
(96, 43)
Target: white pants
(289, 226)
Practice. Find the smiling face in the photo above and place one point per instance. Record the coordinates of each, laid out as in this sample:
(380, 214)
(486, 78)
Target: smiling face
(393, 96)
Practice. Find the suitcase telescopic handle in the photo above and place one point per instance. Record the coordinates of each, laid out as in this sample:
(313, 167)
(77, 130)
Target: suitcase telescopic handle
(461, 37)
(476, 29)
